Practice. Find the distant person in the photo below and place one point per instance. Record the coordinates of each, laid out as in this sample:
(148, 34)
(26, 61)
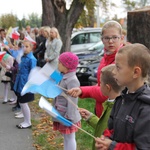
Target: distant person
(29, 32)
(112, 39)
(67, 65)
(129, 122)
(40, 37)
(110, 88)
(28, 62)
(53, 48)
(40, 51)
(6, 64)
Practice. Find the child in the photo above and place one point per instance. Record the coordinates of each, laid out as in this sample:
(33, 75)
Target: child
(129, 122)
(67, 66)
(109, 88)
(6, 64)
(28, 62)
(112, 39)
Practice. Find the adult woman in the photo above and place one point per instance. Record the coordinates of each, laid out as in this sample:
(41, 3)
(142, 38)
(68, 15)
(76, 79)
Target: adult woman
(40, 51)
(53, 48)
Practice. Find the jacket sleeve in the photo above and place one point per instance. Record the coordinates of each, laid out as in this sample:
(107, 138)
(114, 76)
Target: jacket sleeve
(71, 109)
(142, 128)
(93, 92)
(56, 51)
(117, 145)
(93, 120)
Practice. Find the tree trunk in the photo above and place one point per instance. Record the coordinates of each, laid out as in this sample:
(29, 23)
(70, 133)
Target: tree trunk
(138, 26)
(56, 14)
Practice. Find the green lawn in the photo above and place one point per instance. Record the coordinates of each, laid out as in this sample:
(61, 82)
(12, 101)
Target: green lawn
(84, 141)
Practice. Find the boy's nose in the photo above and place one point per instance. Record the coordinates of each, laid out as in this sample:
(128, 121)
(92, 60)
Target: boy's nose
(114, 71)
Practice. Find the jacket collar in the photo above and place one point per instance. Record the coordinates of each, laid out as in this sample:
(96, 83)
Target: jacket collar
(133, 96)
(68, 75)
(28, 55)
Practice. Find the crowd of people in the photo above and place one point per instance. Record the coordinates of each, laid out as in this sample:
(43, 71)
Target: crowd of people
(122, 95)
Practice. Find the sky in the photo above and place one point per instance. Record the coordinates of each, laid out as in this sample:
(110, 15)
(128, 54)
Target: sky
(25, 7)
(21, 7)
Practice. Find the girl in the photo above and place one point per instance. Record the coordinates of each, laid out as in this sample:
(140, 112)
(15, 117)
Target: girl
(6, 64)
(53, 48)
(112, 39)
(28, 61)
(67, 65)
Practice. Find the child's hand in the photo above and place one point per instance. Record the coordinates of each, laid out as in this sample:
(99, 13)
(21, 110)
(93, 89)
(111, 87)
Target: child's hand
(74, 92)
(102, 143)
(84, 113)
(3, 64)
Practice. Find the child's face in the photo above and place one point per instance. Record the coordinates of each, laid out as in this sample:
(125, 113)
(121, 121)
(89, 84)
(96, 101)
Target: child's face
(112, 39)
(27, 47)
(123, 73)
(62, 68)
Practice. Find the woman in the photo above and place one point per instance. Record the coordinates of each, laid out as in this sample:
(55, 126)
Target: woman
(53, 47)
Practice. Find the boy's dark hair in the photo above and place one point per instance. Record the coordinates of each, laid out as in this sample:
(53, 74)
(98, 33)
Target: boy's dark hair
(107, 77)
(137, 55)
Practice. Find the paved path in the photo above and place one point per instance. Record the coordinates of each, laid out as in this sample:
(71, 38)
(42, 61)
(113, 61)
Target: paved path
(12, 138)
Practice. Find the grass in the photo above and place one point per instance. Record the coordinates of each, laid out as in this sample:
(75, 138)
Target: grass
(46, 139)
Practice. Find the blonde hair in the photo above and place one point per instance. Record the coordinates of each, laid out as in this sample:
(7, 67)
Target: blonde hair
(27, 41)
(47, 29)
(112, 24)
(56, 31)
(107, 77)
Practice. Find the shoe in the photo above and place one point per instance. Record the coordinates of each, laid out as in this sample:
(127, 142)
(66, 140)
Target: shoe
(13, 102)
(19, 116)
(4, 102)
(16, 108)
(18, 113)
(21, 127)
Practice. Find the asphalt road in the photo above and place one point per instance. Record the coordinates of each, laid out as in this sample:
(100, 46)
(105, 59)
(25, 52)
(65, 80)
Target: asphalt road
(12, 138)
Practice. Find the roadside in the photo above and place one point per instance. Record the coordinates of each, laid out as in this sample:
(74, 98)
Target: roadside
(10, 136)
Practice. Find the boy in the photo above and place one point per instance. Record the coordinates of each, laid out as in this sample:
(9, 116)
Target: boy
(129, 122)
(110, 88)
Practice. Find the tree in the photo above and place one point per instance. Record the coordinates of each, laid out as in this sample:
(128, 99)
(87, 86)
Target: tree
(34, 20)
(56, 14)
(87, 17)
(138, 23)
(8, 20)
(132, 4)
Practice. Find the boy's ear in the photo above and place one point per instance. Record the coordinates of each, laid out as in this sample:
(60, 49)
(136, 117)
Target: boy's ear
(137, 72)
(108, 87)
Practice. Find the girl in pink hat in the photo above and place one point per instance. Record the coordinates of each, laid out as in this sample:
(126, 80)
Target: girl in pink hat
(67, 65)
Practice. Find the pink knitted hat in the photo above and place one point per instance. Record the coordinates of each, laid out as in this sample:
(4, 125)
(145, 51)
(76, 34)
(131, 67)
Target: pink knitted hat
(69, 60)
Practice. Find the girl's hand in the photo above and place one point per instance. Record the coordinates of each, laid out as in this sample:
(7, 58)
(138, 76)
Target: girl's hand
(3, 64)
(102, 143)
(75, 92)
(84, 113)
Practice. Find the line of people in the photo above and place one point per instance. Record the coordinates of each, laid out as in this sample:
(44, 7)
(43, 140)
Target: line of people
(19, 61)
(121, 119)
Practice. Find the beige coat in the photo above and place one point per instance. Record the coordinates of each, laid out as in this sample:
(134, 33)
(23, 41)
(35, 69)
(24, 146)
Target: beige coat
(9, 63)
